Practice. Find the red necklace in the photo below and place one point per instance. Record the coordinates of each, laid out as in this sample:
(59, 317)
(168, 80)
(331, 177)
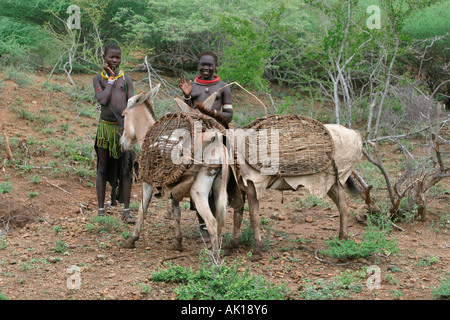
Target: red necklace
(200, 81)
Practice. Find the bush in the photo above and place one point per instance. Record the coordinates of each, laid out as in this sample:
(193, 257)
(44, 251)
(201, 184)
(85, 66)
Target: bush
(224, 282)
(24, 44)
(374, 242)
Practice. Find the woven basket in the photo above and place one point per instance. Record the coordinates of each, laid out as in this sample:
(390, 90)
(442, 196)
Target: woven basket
(155, 162)
(305, 145)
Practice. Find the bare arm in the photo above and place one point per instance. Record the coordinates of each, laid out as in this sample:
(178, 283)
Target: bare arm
(186, 87)
(103, 96)
(227, 110)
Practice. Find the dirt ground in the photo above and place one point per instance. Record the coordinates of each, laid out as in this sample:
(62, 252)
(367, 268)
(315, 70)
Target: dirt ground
(40, 213)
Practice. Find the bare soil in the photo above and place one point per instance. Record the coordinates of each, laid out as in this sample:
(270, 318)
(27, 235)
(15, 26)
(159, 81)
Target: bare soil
(38, 212)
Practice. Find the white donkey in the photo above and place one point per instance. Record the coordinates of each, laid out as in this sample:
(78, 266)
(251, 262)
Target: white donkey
(196, 182)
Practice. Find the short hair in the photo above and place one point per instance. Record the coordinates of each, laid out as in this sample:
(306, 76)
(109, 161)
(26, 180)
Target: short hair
(111, 46)
(209, 53)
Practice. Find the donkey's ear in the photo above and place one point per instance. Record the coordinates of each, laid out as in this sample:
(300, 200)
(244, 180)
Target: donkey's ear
(208, 103)
(184, 107)
(152, 94)
(136, 100)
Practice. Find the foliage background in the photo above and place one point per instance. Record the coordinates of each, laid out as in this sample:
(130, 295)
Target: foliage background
(258, 41)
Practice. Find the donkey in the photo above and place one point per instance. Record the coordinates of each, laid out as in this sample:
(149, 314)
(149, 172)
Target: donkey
(348, 151)
(195, 183)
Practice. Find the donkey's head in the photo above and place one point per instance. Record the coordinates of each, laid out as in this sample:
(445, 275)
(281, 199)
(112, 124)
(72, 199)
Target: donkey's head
(138, 118)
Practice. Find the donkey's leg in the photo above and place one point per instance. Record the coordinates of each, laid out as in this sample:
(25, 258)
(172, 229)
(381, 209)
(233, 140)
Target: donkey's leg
(176, 216)
(253, 204)
(220, 202)
(143, 207)
(238, 215)
(337, 194)
(199, 194)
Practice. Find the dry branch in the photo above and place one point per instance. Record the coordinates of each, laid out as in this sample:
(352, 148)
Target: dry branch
(56, 186)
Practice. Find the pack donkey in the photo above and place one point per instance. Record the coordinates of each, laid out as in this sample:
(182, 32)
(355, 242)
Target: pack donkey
(195, 183)
(348, 151)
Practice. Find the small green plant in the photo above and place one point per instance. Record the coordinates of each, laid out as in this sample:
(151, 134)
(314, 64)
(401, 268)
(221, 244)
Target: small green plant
(390, 278)
(36, 179)
(349, 278)
(145, 288)
(33, 194)
(6, 187)
(323, 290)
(134, 205)
(395, 268)
(186, 205)
(396, 294)
(25, 267)
(428, 261)
(57, 229)
(443, 292)
(126, 234)
(60, 246)
(221, 282)
(2, 296)
(312, 201)
(3, 243)
(84, 172)
(103, 224)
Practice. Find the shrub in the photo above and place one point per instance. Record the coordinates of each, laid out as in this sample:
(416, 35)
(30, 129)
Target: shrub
(19, 77)
(224, 282)
(374, 242)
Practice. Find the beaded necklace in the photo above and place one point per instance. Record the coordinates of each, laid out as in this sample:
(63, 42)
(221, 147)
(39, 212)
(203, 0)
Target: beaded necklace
(105, 76)
(207, 82)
